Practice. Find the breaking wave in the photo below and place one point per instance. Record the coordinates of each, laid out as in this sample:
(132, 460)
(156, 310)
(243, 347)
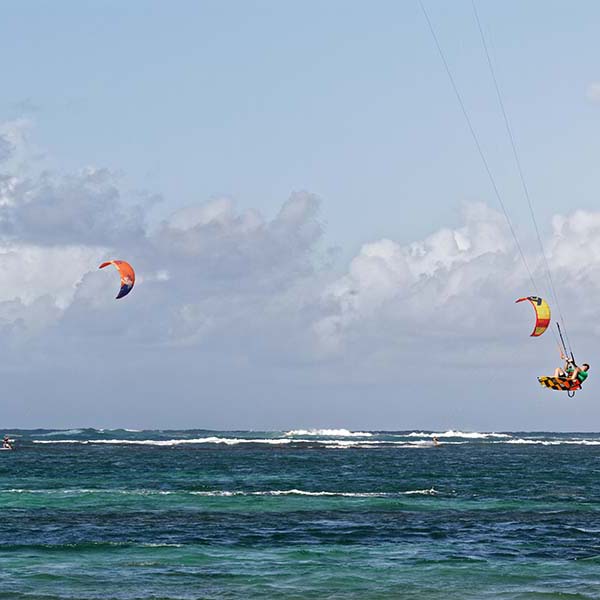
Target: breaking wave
(219, 493)
(176, 442)
(329, 432)
(61, 432)
(315, 438)
(472, 435)
(327, 443)
(554, 442)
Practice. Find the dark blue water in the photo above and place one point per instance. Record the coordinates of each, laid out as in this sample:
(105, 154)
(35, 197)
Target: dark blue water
(92, 514)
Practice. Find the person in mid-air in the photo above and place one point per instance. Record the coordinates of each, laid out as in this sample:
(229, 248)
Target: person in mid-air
(6, 443)
(571, 370)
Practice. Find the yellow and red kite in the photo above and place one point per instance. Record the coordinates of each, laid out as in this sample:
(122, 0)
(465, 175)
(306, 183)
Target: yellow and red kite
(542, 314)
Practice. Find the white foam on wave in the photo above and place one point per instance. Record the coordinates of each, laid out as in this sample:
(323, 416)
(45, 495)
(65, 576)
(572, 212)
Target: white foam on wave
(372, 444)
(327, 443)
(294, 492)
(451, 433)
(553, 442)
(386, 443)
(60, 442)
(351, 443)
(430, 492)
(61, 432)
(210, 440)
(329, 432)
(220, 493)
(175, 442)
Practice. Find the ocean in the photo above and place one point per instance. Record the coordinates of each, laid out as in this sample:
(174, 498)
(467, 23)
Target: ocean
(121, 514)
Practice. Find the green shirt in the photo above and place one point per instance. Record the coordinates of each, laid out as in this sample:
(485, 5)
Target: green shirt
(582, 375)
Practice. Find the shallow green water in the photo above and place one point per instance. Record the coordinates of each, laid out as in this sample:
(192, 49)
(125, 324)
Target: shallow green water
(194, 514)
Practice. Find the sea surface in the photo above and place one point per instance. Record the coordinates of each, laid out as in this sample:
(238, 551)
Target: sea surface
(103, 514)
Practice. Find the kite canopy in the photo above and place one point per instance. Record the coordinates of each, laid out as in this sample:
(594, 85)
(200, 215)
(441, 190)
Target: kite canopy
(542, 314)
(127, 275)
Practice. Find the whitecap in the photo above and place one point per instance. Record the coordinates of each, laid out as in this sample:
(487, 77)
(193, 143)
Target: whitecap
(175, 442)
(451, 433)
(295, 492)
(553, 442)
(60, 441)
(219, 493)
(61, 432)
(329, 432)
(327, 443)
(429, 492)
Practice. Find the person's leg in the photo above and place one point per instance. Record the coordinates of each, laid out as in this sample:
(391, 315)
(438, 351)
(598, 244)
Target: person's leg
(559, 372)
(574, 374)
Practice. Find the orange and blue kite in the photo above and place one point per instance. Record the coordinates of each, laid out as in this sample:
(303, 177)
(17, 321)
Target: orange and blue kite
(127, 275)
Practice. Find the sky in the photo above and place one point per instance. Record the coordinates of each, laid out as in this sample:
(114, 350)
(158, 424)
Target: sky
(315, 238)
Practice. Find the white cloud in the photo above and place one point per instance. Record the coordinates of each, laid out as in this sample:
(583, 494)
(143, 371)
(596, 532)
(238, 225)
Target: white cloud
(224, 295)
(210, 275)
(30, 272)
(593, 92)
(16, 150)
(85, 208)
(219, 212)
(433, 286)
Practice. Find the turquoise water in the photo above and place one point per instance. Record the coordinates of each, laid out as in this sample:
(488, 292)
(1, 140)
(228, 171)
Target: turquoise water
(121, 514)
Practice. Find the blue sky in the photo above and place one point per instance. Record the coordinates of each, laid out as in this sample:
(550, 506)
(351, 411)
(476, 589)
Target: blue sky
(255, 99)
(344, 104)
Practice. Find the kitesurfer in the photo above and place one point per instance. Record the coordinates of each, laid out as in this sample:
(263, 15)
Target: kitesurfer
(6, 443)
(571, 370)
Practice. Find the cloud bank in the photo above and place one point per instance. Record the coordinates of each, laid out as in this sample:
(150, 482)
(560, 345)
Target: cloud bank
(244, 321)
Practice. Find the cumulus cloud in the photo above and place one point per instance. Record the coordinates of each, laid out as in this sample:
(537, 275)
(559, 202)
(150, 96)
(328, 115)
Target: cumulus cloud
(206, 273)
(213, 240)
(213, 276)
(6, 148)
(78, 209)
(445, 285)
(446, 304)
(16, 149)
(229, 295)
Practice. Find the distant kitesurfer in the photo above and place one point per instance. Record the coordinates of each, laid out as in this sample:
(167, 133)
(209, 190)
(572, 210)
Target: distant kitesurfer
(6, 443)
(436, 442)
(571, 370)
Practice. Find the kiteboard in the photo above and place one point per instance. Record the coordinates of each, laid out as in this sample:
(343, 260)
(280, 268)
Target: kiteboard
(559, 383)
